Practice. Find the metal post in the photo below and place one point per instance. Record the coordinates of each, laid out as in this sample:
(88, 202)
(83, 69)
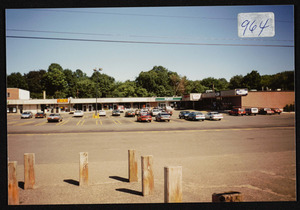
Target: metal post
(96, 112)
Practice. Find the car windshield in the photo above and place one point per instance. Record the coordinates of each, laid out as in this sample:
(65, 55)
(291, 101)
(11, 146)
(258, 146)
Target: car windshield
(26, 113)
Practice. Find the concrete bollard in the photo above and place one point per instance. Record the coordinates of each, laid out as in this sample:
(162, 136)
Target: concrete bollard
(29, 172)
(132, 166)
(147, 175)
(227, 197)
(83, 169)
(173, 184)
(13, 188)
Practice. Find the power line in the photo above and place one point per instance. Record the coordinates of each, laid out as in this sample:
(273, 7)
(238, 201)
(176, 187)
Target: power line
(143, 36)
(142, 42)
(145, 15)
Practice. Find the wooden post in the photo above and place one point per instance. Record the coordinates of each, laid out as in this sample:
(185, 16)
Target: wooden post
(227, 197)
(132, 166)
(147, 175)
(83, 169)
(13, 188)
(173, 184)
(29, 173)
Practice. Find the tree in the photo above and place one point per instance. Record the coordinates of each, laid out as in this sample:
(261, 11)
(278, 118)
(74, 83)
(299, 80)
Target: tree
(157, 81)
(54, 66)
(71, 80)
(80, 75)
(55, 80)
(236, 82)
(34, 82)
(252, 80)
(104, 84)
(215, 84)
(16, 80)
(86, 89)
(194, 87)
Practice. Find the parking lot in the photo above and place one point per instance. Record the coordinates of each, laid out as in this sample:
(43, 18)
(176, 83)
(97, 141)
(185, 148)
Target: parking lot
(254, 155)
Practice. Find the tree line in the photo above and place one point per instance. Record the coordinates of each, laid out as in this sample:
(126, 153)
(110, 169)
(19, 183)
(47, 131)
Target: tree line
(159, 81)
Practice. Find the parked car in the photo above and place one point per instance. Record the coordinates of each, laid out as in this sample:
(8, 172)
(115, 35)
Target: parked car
(116, 112)
(78, 113)
(144, 116)
(54, 118)
(40, 115)
(196, 116)
(184, 114)
(213, 116)
(251, 111)
(266, 111)
(155, 112)
(27, 114)
(237, 111)
(102, 113)
(129, 113)
(163, 116)
(72, 111)
(276, 110)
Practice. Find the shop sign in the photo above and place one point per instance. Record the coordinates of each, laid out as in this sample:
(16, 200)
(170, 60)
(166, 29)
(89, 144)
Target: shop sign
(241, 92)
(168, 99)
(63, 100)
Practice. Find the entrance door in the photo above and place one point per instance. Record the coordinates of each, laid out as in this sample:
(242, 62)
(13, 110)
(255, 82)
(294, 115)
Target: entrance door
(84, 108)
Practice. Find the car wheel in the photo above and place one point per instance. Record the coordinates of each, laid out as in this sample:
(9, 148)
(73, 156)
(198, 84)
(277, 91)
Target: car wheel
(168, 120)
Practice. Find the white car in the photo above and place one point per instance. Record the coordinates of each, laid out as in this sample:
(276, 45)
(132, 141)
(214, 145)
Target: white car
(155, 112)
(102, 113)
(26, 115)
(213, 116)
(78, 113)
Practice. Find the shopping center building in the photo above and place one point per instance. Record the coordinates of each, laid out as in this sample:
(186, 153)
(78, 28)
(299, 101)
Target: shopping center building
(19, 100)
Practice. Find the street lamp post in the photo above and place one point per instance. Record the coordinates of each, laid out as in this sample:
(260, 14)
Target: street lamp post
(97, 70)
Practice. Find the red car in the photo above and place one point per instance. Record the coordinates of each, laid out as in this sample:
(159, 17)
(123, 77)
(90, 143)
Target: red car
(266, 111)
(144, 116)
(40, 115)
(276, 110)
(237, 111)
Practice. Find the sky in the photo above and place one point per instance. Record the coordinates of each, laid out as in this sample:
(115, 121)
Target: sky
(128, 40)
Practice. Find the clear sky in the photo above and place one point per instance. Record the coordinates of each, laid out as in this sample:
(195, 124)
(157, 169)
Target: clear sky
(200, 25)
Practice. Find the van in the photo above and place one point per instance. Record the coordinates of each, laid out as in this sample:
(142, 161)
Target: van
(251, 111)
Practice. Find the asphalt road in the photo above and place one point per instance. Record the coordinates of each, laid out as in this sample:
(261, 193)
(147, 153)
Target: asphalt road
(254, 155)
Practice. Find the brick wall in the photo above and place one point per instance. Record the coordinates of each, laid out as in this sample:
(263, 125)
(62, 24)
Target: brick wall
(12, 93)
(278, 99)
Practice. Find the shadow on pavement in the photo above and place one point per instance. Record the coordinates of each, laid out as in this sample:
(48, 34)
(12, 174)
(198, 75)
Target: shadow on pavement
(134, 192)
(119, 178)
(72, 181)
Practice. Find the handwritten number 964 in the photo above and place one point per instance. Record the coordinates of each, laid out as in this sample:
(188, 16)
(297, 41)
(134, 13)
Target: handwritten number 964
(253, 26)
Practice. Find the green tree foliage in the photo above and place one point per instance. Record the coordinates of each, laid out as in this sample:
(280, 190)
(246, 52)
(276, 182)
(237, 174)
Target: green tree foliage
(236, 82)
(71, 80)
(104, 84)
(54, 66)
(16, 80)
(194, 87)
(35, 84)
(55, 81)
(215, 84)
(86, 89)
(252, 80)
(159, 81)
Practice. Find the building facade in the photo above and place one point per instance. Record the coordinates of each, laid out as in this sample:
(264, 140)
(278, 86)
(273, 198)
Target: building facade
(19, 101)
